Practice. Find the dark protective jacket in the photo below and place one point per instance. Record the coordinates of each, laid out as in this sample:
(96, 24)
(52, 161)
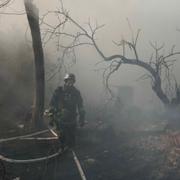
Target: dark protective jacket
(67, 104)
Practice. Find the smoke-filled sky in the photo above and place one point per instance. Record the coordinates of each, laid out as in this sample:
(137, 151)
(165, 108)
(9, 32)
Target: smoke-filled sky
(157, 19)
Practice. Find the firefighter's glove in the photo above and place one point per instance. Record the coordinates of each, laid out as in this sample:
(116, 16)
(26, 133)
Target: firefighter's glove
(50, 115)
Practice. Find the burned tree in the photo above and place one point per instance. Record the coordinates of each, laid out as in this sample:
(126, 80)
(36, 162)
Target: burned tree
(33, 19)
(158, 66)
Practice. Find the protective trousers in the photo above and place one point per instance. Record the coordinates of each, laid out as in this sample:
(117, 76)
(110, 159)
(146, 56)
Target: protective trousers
(67, 135)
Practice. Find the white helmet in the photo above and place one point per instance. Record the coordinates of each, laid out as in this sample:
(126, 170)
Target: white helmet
(69, 76)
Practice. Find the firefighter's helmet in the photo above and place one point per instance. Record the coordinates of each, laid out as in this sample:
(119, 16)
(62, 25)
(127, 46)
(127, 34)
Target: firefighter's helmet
(70, 76)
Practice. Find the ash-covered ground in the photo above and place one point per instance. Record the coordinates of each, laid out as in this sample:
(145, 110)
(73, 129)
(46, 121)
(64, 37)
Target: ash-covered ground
(142, 154)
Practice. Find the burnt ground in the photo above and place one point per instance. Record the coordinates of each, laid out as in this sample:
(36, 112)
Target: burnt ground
(136, 155)
(104, 155)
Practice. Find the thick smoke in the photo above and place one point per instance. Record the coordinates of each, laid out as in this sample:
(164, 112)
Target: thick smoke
(16, 66)
(16, 76)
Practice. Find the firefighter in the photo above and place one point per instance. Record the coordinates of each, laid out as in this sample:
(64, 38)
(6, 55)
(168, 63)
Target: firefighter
(65, 105)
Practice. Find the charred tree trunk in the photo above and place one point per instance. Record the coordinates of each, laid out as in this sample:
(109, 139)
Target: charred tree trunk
(33, 19)
(159, 92)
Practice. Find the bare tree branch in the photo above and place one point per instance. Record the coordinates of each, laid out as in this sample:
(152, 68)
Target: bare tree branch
(4, 3)
(158, 66)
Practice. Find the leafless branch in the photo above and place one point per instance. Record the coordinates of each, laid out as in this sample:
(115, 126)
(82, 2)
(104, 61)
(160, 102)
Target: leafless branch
(159, 64)
(112, 69)
(4, 3)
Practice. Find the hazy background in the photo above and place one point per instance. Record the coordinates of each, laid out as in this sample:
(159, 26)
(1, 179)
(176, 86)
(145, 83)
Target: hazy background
(157, 19)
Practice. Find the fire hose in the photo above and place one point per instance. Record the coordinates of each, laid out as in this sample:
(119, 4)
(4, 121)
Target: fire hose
(9, 160)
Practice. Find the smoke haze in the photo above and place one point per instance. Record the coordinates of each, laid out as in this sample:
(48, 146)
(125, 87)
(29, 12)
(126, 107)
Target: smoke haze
(158, 21)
